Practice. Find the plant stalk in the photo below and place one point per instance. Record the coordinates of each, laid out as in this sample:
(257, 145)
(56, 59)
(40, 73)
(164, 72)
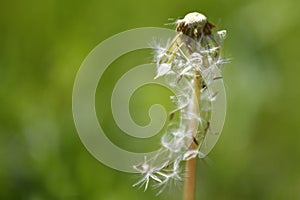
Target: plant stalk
(191, 165)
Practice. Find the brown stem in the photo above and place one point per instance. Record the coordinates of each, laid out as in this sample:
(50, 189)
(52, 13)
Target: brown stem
(190, 178)
(190, 167)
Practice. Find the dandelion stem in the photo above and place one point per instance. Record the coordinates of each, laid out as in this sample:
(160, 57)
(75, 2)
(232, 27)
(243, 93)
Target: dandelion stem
(191, 164)
(190, 179)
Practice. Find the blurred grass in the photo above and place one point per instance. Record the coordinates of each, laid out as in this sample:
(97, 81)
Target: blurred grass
(42, 44)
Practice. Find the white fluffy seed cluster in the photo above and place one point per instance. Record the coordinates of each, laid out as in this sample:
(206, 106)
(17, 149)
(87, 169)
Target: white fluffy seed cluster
(178, 63)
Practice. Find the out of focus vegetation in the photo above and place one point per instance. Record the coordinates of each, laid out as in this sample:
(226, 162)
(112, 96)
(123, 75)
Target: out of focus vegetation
(42, 44)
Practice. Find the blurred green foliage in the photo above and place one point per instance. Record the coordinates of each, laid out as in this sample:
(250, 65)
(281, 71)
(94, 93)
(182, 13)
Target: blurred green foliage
(42, 44)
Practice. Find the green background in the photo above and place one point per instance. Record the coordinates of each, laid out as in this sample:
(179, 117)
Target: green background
(43, 43)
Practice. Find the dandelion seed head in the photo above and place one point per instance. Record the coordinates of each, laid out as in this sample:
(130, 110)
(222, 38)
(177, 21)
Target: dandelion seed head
(194, 25)
(193, 53)
(193, 19)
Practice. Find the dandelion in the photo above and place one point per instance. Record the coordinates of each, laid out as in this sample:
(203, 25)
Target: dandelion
(189, 64)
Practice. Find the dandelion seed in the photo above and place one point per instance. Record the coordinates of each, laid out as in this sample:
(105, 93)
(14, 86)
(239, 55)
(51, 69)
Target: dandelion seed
(162, 70)
(221, 35)
(190, 154)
